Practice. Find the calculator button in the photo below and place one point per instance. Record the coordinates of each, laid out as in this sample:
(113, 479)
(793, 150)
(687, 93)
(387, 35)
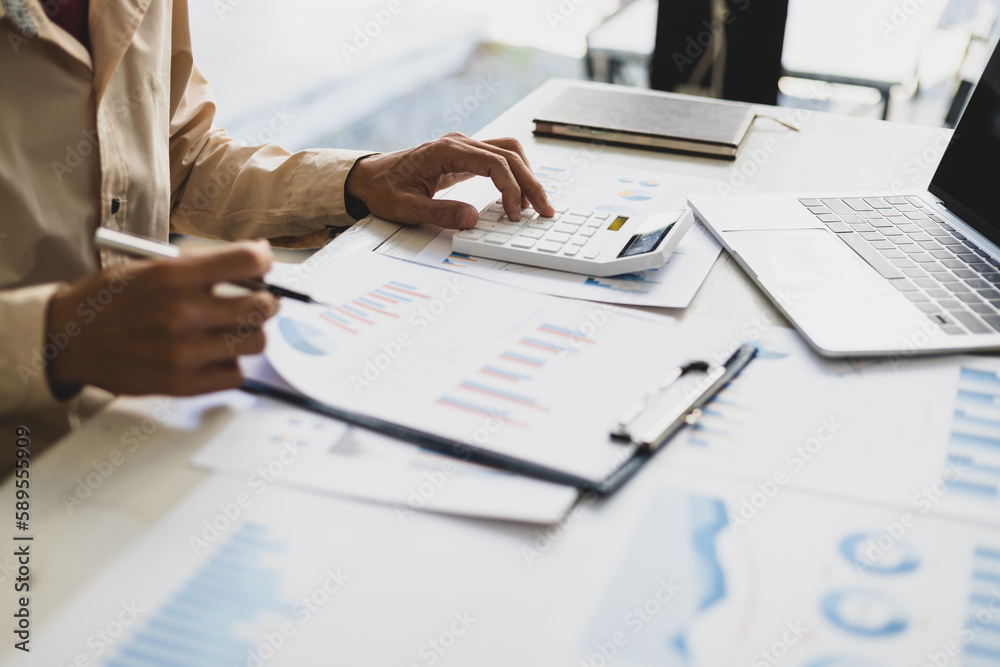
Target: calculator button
(496, 239)
(564, 228)
(579, 240)
(532, 234)
(592, 254)
(540, 223)
(471, 234)
(548, 246)
(500, 227)
(586, 232)
(528, 214)
(571, 251)
(594, 223)
(602, 215)
(490, 215)
(495, 206)
(582, 212)
(560, 208)
(573, 219)
(523, 242)
(558, 237)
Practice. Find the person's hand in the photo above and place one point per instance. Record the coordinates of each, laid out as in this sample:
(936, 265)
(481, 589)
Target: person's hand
(400, 186)
(155, 327)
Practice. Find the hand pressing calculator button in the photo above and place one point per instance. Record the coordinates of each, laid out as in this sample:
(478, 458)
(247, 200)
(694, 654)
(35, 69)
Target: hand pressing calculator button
(576, 239)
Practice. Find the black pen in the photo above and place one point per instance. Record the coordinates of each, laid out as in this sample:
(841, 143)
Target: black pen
(136, 246)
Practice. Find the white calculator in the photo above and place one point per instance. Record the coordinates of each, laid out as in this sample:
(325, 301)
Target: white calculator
(579, 240)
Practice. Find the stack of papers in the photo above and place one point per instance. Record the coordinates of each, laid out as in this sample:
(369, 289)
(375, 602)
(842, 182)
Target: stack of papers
(528, 375)
(523, 374)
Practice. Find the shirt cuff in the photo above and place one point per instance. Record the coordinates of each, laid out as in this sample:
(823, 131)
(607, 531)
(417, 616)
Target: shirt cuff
(326, 173)
(25, 352)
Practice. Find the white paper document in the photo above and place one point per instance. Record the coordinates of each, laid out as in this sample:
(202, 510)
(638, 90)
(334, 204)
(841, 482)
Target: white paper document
(620, 190)
(667, 579)
(810, 581)
(268, 440)
(524, 374)
(881, 431)
(235, 578)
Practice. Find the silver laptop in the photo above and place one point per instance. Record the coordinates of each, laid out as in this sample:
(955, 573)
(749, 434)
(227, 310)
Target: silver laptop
(867, 274)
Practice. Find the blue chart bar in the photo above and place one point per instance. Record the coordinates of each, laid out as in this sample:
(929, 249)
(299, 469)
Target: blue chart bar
(459, 259)
(572, 334)
(196, 627)
(975, 435)
(545, 345)
(520, 399)
(711, 427)
(722, 416)
(505, 374)
(983, 649)
(629, 282)
(983, 377)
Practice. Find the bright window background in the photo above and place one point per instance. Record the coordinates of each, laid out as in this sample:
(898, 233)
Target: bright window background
(353, 75)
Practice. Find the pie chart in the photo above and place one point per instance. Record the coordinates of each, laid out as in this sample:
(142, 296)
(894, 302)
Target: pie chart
(305, 338)
(635, 195)
(864, 613)
(862, 551)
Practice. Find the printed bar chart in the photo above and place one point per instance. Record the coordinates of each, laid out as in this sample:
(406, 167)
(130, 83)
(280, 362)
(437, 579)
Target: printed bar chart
(384, 304)
(198, 625)
(522, 363)
(975, 436)
(983, 622)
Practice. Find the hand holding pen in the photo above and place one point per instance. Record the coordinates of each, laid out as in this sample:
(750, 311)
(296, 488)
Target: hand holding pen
(157, 327)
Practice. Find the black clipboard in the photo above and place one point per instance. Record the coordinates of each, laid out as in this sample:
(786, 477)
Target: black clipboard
(644, 445)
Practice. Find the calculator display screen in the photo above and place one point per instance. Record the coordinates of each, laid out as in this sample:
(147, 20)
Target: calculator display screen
(643, 243)
(617, 223)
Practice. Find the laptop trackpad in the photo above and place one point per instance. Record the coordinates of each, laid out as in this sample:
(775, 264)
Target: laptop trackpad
(834, 296)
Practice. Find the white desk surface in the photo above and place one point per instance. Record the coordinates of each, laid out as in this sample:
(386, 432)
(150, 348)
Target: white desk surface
(830, 153)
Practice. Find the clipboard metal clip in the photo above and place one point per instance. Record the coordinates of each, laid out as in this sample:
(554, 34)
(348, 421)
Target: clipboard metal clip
(686, 412)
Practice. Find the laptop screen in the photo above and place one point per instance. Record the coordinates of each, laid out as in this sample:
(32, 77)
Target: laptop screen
(968, 178)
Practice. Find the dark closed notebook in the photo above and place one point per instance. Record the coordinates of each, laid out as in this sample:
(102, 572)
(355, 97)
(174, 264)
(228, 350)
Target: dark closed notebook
(647, 120)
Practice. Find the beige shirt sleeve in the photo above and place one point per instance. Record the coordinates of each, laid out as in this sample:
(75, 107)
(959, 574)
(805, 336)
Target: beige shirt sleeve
(24, 385)
(223, 189)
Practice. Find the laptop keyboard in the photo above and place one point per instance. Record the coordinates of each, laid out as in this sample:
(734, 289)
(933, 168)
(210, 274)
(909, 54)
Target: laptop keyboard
(942, 272)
